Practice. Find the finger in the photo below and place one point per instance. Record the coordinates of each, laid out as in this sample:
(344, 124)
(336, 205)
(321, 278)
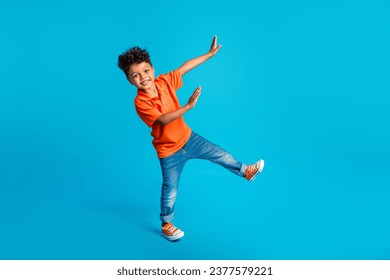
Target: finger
(217, 49)
(196, 94)
(214, 42)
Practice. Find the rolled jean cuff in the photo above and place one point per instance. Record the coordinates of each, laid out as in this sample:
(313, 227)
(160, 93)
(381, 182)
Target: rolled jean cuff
(167, 218)
(242, 170)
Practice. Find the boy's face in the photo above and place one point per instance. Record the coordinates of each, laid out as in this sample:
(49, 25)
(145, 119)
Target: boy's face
(141, 75)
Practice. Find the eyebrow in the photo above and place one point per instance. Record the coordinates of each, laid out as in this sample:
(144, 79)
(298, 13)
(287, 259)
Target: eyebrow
(132, 73)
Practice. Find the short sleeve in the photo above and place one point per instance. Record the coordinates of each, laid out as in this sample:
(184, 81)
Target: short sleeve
(173, 78)
(148, 113)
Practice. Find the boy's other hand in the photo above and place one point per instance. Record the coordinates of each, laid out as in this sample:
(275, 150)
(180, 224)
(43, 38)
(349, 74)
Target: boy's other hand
(214, 48)
(194, 98)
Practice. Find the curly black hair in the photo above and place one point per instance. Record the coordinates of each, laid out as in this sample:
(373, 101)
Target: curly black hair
(131, 56)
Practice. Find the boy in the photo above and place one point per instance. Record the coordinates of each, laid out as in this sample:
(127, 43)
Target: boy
(158, 106)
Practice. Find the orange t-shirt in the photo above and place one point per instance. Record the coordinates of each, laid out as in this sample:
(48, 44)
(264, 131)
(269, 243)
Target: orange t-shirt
(167, 139)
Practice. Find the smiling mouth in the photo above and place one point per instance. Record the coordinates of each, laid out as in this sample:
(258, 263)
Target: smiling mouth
(145, 82)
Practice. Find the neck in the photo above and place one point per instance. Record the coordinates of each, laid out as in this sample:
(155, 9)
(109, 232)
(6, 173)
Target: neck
(152, 91)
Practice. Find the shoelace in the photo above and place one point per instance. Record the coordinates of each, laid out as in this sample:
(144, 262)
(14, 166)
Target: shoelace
(170, 229)
(251, 169)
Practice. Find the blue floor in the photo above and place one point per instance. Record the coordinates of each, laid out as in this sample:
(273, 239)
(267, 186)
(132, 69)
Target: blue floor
(302, 85)
(278, 216)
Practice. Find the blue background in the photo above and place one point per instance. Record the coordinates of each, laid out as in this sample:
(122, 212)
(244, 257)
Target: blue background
(302, 84)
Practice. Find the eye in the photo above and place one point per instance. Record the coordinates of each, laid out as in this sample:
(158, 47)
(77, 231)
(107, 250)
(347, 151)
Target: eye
(134, 76)
(147, 70)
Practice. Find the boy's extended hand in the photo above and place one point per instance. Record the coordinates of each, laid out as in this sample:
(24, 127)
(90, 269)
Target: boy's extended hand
(194, 98)
(192, 63)
(166, 118)
(214, 48)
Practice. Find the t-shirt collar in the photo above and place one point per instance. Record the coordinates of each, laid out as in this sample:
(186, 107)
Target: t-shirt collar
(142, 95)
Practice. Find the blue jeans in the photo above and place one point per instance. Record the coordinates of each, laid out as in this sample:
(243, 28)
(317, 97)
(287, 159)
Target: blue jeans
(172, 166)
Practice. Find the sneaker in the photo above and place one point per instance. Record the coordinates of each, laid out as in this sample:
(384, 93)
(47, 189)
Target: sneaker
(172, 233)
(253, 170)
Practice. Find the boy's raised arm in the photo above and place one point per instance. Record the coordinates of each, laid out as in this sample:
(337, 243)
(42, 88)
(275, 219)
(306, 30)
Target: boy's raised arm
(192, 63)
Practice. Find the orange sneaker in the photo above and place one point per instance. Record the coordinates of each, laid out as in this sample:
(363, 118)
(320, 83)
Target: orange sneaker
(172, 233)
(253, 170)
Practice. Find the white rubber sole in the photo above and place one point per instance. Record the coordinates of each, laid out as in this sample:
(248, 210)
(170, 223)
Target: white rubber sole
(261, 163)
(173, 237)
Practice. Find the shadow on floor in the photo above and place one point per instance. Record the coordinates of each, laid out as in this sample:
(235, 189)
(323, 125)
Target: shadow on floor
(139, 215)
